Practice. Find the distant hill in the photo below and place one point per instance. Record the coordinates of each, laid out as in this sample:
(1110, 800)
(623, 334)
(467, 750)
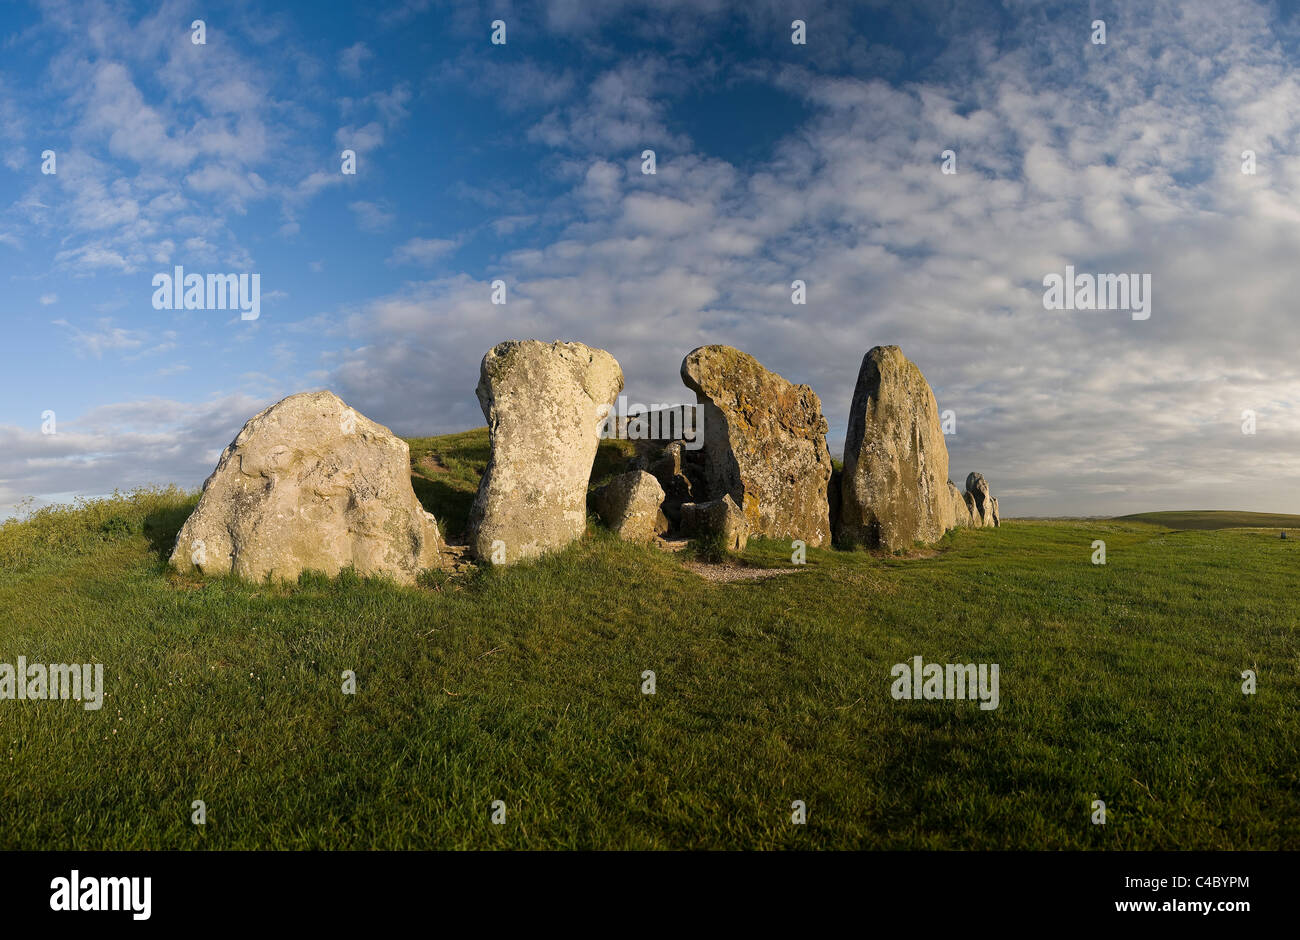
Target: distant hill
(1217, 519)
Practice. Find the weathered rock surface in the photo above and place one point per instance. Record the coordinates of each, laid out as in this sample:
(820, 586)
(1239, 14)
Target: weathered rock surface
(895, 482)
(310, 484)
(764, 444)
(982, 505)
(543, 406)
(717, 517)
(961, 517)
(630, 505)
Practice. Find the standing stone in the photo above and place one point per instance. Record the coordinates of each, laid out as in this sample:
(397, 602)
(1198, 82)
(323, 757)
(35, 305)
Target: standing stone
(310, 484)
(764, 444)
(545, 404)
(983, 506)
(960, 511)
(895, 483)
(629, 504)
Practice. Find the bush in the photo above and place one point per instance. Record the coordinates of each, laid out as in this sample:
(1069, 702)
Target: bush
(80, 527)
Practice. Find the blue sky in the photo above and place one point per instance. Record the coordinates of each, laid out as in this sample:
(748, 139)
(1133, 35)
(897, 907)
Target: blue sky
(775, 161)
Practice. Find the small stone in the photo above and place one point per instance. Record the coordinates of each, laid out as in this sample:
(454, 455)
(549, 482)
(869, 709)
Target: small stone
(717, 517)
(629, 505)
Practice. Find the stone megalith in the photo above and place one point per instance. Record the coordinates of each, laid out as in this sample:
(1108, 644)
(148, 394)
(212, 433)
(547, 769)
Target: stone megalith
(630, 505)
(764, 444)
(545, 404)
(310, 484)
(983, 506)
(895, 481)
(960, 511)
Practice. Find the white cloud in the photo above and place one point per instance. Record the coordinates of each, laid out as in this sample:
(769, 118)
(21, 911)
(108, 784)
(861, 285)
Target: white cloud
(508, 225)
(353, 58)
(123, 445)
(618, 112)
(1064, 412)
(361, 139)
(371, 216)
(422, 251)
(1116, 158)
(105, 338)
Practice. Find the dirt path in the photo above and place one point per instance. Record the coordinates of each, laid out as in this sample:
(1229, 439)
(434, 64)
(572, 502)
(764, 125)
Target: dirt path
(725, 574)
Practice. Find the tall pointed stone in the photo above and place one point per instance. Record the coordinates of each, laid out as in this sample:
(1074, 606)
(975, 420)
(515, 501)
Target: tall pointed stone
(983, 506)
(895, 484)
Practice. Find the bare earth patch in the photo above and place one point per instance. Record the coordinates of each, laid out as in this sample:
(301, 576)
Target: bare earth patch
(670, 545)
(725, 574)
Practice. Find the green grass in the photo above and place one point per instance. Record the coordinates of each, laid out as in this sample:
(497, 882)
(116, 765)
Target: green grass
(1216, 519)
(445, 473)
(1119, 682)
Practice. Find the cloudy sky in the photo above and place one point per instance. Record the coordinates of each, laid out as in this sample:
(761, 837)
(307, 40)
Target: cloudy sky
(775, 161)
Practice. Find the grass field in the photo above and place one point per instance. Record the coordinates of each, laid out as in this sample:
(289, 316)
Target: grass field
(1211, 519)
(1118, 682)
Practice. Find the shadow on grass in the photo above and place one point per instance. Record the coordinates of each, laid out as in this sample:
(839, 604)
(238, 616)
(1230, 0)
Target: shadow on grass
(161, 527)
(449, 504)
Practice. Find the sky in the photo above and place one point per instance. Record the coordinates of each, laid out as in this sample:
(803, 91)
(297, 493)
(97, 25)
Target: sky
(775, 162)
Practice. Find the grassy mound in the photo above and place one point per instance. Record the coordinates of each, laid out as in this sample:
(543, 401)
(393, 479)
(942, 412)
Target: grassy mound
(1118, 682)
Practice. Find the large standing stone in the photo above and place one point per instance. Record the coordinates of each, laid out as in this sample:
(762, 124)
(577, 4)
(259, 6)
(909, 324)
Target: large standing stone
(764, 444)
(310, 484)
(960, 511)
(983, 506)
(544, 404)
(895, 482)
(630, 505)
